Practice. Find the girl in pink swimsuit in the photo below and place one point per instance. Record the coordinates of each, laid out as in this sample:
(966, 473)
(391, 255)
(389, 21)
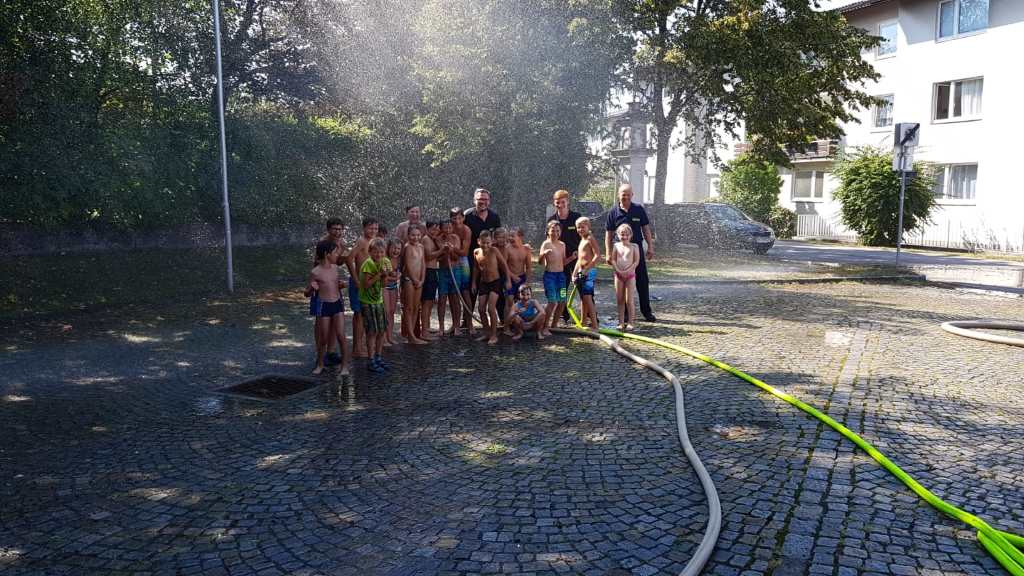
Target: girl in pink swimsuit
(625, 258)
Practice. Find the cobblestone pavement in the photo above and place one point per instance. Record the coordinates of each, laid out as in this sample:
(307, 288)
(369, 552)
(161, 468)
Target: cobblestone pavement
(551, 458)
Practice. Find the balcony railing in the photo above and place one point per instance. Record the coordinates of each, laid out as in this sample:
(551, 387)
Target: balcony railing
(815, 150)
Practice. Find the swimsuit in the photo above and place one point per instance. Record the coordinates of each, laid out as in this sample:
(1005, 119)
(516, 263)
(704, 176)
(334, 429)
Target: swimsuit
(554, 286)
(528, 313)
(314, 303)
(445, 284)
(429, 285)
(462, 274)
(485, 288)
(585, 282)
(328, 309)
(353, 295)
(624, 276)
(516, 283)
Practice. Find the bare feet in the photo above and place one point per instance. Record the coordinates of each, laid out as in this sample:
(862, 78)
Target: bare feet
(480, 338)
(318, 370)
(516, 337)
(540, 335)
(388, 344)
(630, 327)
(417, 341)
(507, 332)
(345, 370)
(546, 333)
(492, 340)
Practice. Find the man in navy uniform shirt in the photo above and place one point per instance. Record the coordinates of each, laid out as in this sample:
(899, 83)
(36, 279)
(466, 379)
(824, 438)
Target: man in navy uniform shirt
(625, 212)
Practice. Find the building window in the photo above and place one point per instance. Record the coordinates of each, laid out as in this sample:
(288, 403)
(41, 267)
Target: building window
(809, 185)
(960, 17)
(881, 114)
(887, 45)
(959, 99)
(956, 182)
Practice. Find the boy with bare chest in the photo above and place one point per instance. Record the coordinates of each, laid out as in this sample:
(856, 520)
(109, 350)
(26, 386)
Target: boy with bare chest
(490, 263)
(552, 256)
(520, 259)
(359, 253)
(330, 319)
(585, 274)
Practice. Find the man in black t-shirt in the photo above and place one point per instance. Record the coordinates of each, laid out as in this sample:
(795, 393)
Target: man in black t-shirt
(625, 212)
(570, 237)
(479, 218)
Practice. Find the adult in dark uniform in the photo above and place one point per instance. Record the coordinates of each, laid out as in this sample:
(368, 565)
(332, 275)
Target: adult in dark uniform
(479, 218)
(625, 212)
(566, 219)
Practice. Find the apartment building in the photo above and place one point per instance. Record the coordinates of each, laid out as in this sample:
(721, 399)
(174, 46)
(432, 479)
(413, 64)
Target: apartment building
(957, 67)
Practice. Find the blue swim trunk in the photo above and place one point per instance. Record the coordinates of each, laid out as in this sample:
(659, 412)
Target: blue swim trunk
(554, 286)
(353, 296)
(314, 303)
(462, 273)
(445, 284)
(586, 284)
(517, 281)
(328, 309)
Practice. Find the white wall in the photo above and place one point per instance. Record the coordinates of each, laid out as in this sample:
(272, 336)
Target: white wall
(997, 213)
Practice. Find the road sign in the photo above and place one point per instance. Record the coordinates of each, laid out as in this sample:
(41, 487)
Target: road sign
(905, 139)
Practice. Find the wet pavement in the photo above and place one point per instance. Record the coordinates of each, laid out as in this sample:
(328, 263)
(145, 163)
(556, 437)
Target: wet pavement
(535, 458)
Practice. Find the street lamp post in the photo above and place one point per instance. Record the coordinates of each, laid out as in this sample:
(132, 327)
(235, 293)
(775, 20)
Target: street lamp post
(223, 147)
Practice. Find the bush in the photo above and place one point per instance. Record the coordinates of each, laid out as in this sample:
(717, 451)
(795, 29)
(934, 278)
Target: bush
(751, 185)
(783, 222)
(869, 191)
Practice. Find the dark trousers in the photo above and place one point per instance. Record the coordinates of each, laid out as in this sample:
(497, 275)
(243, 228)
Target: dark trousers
(643, 289)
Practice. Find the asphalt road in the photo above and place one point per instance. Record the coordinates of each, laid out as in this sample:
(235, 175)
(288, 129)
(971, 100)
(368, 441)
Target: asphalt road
(788, 250)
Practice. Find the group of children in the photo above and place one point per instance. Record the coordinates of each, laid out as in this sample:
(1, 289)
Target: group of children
(433, 263)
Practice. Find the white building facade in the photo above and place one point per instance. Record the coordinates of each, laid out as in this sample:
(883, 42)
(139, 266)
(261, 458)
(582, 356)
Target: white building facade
(957, 68)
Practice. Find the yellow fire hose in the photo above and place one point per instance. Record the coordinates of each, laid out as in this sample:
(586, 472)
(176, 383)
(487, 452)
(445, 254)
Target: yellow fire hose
(1005, 547)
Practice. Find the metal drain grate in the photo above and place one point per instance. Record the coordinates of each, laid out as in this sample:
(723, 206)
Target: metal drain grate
(272, 387)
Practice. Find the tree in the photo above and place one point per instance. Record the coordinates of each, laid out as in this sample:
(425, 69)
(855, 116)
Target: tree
(510, 90)
(752, 185)
(782, 69)
(869, 191)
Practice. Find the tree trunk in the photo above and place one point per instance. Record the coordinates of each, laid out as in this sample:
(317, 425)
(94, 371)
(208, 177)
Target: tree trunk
(661, 167)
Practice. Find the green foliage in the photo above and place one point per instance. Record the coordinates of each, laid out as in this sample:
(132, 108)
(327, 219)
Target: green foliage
(783, 221)
(869, 192)
(605, 193)
(752, 185)
(783, 71)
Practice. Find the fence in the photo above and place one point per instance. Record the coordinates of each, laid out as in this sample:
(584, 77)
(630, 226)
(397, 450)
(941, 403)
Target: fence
(944, 233)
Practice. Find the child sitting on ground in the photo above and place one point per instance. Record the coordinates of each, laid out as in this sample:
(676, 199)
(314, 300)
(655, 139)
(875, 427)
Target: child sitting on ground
(552, 256)
(585, 273)
(330, 317)
(487, 281)
(394, 252)
(371, 297)
(625, 258)
(526, 315)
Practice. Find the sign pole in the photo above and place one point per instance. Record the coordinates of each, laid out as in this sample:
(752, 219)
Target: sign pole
(903, 190)
(223, 147)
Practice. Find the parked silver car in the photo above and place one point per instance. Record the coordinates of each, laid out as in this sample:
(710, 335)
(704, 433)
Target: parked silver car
(710, 224)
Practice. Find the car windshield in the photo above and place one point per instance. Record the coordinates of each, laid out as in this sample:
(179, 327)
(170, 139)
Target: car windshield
(727, 213)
